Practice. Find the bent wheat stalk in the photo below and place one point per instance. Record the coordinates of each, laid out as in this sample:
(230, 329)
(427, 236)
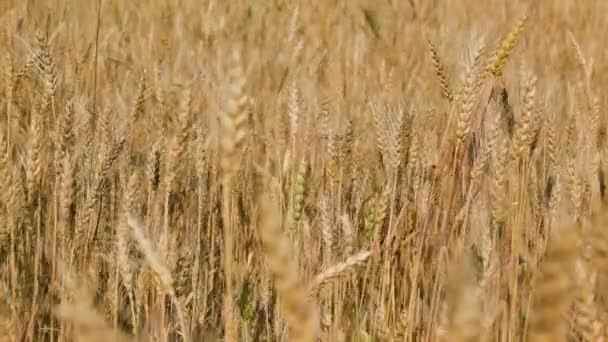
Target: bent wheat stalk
(159, 268)
(338, 270)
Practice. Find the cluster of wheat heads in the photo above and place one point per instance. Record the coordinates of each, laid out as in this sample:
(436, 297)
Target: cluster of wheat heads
(302, 171)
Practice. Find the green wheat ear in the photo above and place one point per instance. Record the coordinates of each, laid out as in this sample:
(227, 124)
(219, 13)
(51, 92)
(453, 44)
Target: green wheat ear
(506, 47)
(245, 301)
(299, 191)
(369, 220)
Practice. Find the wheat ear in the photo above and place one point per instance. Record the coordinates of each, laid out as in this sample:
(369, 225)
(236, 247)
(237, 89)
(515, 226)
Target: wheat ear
(296, 308)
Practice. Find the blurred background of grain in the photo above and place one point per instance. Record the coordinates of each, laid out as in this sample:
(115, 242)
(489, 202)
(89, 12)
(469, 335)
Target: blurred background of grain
(302, 170)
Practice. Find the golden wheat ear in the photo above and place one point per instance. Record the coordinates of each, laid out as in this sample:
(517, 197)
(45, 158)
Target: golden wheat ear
(295, 306)
(506, 47)
(586, 311)
(440, 72)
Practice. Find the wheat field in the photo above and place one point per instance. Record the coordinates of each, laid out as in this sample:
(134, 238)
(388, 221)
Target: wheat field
(282, 170)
